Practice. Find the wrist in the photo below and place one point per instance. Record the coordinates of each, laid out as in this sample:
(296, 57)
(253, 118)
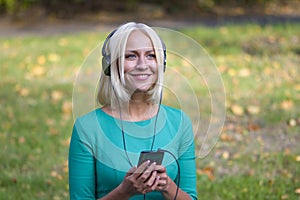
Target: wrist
(122, 192)
(168, 187)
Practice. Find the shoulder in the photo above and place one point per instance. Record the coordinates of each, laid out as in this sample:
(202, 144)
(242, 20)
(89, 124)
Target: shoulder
(174, 113)
(88, 118)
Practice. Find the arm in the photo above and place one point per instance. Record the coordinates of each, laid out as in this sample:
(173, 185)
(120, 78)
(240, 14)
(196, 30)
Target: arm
(187, 186)
(81, 169)
(187, 175)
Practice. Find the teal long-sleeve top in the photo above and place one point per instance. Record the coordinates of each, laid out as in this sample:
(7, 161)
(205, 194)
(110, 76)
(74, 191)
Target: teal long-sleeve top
(97, 160)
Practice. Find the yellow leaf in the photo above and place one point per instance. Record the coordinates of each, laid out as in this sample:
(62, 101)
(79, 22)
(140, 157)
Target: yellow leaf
(66, 142)
(287, 104)
(56, 95)
(253, 109)
(297, 191)
(53, 57)
(226, 138)
(232, 72)
(297, 87)
(38, 71)
(237, 110)
(245, 72)
(225, 155)
(298, 158)
(24, 92)
(67, 107)
(41, 60)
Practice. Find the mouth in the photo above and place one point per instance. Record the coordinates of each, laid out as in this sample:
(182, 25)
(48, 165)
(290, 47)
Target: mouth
(141, 76)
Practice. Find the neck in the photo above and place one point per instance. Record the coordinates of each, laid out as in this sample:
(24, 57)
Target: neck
(139, 109)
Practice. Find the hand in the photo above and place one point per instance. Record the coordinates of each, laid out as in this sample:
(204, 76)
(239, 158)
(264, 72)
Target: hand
(163, 182)
(140, 180)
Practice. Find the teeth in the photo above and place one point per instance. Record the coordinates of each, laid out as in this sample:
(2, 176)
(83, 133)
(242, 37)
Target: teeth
(142, 75)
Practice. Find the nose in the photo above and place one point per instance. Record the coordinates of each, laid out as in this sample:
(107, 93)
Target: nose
(142, 63)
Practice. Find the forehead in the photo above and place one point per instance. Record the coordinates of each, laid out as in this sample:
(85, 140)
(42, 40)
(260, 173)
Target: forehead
(138, 40)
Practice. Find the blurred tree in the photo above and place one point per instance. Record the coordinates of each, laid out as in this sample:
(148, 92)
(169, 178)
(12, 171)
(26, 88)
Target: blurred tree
(68, 8)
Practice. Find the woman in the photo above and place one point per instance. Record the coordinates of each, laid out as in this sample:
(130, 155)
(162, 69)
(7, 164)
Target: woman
(106, 143)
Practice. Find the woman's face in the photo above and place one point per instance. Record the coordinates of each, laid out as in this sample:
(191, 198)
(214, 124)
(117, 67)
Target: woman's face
(140, 65)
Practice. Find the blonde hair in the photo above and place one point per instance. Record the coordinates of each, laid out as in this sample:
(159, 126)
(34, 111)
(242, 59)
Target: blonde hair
(112, 89)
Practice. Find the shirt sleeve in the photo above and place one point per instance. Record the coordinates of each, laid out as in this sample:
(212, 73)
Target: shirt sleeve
(187, 161)
(81, 169)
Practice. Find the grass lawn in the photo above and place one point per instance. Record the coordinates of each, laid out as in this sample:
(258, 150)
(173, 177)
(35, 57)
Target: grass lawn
(256, 157)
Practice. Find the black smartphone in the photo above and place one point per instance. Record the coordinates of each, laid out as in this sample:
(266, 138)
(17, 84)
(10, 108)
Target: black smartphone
(153, 156)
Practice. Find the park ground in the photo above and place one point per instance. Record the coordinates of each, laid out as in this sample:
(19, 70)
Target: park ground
(257, 155)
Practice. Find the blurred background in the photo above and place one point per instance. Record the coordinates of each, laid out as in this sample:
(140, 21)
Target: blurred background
(255, 45)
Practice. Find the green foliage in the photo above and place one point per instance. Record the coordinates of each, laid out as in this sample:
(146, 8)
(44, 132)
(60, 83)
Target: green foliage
(11, 6)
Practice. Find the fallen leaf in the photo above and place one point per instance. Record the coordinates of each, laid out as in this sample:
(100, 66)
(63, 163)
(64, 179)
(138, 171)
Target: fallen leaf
(251, 109)
(66, 142)
(225, 155)
(208, 171)
(23, 92)
(237, 110)
(56, 95)
(253, 127)
(226, 138)
(292, 122)
(297, 87)
(54, 174)
(53, 131)
(53, 57)
(297, 191)
(245, 72)
(38, 71)
(67, 107)
(232, 72)
(298, 158)
(41, 60)
(287, 104)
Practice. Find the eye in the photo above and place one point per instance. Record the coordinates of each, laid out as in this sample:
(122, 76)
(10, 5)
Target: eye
(151, 55)
(130, 56)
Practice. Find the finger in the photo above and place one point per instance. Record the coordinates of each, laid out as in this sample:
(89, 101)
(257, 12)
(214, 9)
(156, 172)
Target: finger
(146, 174)
(163, 184)
(151, 180)
(160, 168)
(141, 169)
(154, 186)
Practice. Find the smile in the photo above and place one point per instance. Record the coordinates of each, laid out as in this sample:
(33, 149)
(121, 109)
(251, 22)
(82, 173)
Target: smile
(141, 76)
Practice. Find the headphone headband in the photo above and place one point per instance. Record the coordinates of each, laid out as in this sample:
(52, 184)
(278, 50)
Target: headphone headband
(106, 59)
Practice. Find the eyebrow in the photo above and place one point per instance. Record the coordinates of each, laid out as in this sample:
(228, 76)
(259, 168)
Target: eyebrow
(137, 51)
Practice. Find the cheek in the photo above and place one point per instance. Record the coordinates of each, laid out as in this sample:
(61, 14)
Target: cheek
(128, 66)
(154, 67)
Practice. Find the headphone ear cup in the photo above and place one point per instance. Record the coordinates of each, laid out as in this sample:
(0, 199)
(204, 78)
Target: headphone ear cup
(106, 65)
(165, 60)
